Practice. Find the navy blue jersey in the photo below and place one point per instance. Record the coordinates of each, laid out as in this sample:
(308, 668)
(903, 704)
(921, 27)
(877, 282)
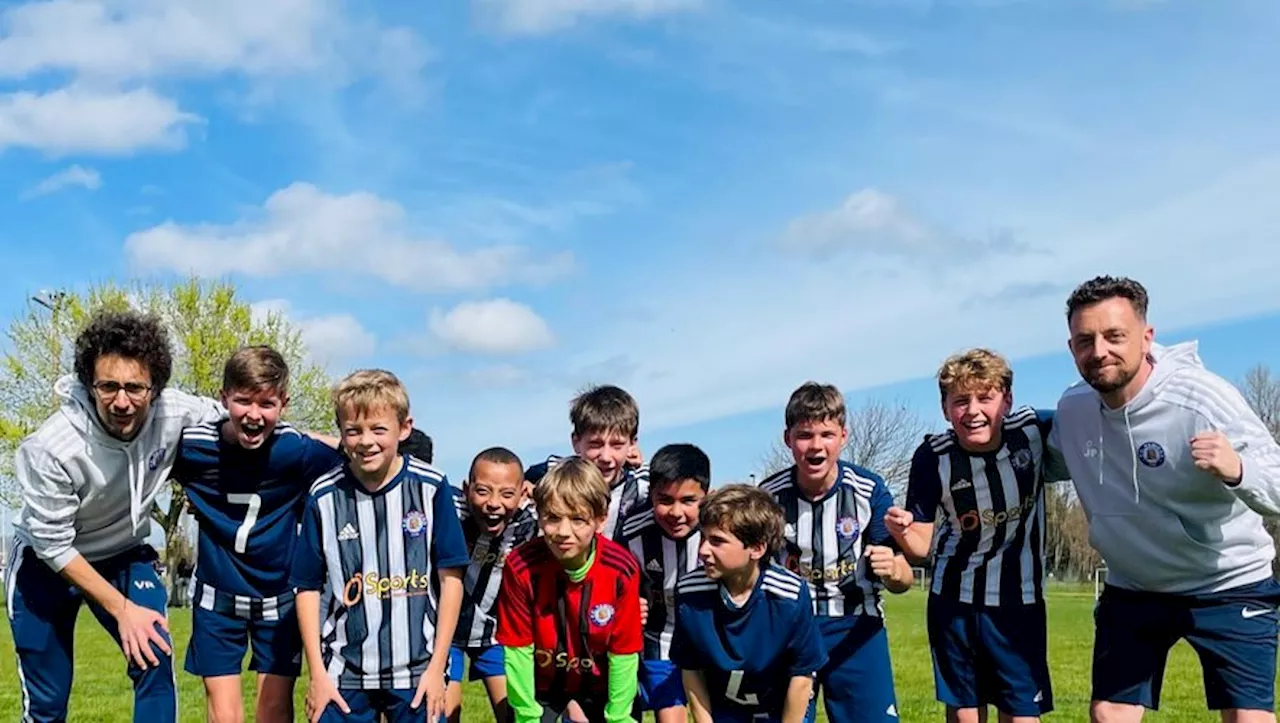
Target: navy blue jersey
(826, 538)
(478, 623)
(375, 557)
(749, 654)
(990, 539)
(248, 504)
(662, 561)
(630, 491)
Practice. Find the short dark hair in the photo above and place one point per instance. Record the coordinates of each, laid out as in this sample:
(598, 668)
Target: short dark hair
(418, 445)
(1101, 288)
(677, 463)
(255, 368)
(814, 402)
(604, 409)
(495, 455)
(129, 334)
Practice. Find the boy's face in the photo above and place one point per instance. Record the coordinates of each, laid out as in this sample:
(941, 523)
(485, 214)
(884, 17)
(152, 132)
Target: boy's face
(816, 446)
(675, 507)
(254, 413)
(568, 532)
(976, 415)
(495, 492)
(607, 450)
(371, 437)
(722, 553)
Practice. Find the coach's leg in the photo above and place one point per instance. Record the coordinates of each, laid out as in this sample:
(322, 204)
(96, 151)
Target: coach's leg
(42, 611)
(155, 693)
(1133, 635)
(1236, 639)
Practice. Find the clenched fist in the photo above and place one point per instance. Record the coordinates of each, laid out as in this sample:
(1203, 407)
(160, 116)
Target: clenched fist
(880, 558)
(898, 521)
(1213, 453)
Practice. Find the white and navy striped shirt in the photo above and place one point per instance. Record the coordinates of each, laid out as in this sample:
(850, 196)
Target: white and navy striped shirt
(825, 538)
(629, 491)
(477, 624)
(989, 542)
(663, 560)
(375, 557)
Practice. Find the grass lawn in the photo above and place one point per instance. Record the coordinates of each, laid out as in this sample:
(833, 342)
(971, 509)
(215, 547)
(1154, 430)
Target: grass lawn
(102, 691)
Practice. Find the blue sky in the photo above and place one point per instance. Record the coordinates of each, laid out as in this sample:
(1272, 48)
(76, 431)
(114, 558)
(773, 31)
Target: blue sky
(705, 202)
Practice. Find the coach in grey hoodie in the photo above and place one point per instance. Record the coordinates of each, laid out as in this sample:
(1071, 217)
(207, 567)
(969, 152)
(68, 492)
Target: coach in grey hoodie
(89, 477)
(1174, 472)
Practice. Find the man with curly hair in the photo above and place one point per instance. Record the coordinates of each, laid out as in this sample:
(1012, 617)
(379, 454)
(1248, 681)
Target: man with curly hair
(89, 477)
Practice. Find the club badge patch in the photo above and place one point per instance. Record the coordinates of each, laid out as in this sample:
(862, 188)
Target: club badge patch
(847, 527)
(601, 615)
(1021, 459)
(415, 523)
(1151, 454)
(155, 458)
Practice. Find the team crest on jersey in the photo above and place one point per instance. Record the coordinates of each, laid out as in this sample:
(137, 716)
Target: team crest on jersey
(601, 615)
(1151, 454)
(155, 458)
(1021, 459)
(847, 527)
(414, 523)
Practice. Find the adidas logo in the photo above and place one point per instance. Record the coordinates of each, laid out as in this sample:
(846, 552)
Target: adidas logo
(789, 530)
(963, 484)
(1039, 697)
(654, 566)
(892, 710)
(348, 533)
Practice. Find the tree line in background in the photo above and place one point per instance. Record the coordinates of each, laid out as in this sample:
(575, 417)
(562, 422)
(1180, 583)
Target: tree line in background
(208, 322)
(884, 435)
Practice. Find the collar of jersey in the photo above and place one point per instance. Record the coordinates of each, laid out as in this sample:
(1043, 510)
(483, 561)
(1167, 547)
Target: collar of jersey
(394, 483)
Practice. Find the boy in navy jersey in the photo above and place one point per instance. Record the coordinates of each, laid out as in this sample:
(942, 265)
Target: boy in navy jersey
(746, 639)
(569, 608)
(246, 478)
(663, 535)
(981, 484)
(379, 568)
(494, 522)
(606, 422)
(835, 537)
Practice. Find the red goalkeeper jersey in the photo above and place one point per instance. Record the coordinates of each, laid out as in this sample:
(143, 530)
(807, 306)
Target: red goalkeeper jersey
(572, 626)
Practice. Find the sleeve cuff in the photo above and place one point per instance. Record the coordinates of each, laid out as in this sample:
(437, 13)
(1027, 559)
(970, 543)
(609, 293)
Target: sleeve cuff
(59, 560)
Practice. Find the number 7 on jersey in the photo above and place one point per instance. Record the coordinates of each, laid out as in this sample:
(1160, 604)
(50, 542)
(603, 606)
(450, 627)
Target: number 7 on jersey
(254, 502)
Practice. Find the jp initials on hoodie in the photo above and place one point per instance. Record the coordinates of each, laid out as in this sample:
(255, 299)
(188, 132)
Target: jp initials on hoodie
(1160, 523)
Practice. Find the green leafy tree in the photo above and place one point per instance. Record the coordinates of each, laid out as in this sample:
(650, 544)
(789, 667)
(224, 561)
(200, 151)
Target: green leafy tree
(206, 322)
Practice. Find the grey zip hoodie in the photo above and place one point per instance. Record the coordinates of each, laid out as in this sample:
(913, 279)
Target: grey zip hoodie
(86, 492)
(1161, 524)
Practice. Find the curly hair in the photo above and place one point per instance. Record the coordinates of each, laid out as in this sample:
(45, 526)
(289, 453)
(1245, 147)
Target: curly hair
(129, 334)
(1101, 288)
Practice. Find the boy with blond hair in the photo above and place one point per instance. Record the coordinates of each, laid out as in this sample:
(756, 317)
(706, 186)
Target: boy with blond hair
(746, 639)
(605, 424)
(381, 540)
(569, 607)
(978, 490)
(836, 539)
(246, 477)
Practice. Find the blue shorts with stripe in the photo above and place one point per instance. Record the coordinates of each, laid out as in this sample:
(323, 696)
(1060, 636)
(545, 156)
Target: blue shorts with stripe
(219, 641)
(990, 656)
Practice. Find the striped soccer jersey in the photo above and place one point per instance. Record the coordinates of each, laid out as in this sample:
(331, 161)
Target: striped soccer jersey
(630, 491)
(825, 538)
(375, 557)
(662, 561)
(989, 540)
(478, 622)
(248, 504)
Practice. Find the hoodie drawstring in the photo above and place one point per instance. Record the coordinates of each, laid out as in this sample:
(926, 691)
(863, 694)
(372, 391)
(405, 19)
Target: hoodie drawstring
(135, 491)
(1133, 453)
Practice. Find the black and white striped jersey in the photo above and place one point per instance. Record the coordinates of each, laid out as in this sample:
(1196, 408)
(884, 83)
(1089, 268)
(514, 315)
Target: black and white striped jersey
(662, 561)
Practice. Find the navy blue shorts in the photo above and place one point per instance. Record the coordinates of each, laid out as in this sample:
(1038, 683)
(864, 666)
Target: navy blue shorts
(486, 662)
(857, 681)
(990, 656)
(220, 640)
(660, 685)
(1234, 632)
(370, 706)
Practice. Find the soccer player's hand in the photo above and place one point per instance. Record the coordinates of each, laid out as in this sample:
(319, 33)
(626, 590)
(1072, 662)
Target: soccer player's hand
(430, 687)
(1213, 453)
(880, 558)
(138, 630)
(898, 521)
(644, 611)
(320, 694)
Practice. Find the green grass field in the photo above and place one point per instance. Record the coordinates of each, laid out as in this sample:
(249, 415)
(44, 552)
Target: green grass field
(102, 691)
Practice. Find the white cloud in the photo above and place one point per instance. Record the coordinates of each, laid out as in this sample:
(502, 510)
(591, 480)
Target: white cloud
(330, 339)
(495, 326)
(301, 228)
(78, 119)
(533, 17)
(66, 178)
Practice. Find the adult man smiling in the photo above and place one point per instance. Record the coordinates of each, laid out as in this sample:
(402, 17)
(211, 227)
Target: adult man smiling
(89, 476)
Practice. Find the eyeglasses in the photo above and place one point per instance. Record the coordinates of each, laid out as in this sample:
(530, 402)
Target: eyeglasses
(133, 390)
